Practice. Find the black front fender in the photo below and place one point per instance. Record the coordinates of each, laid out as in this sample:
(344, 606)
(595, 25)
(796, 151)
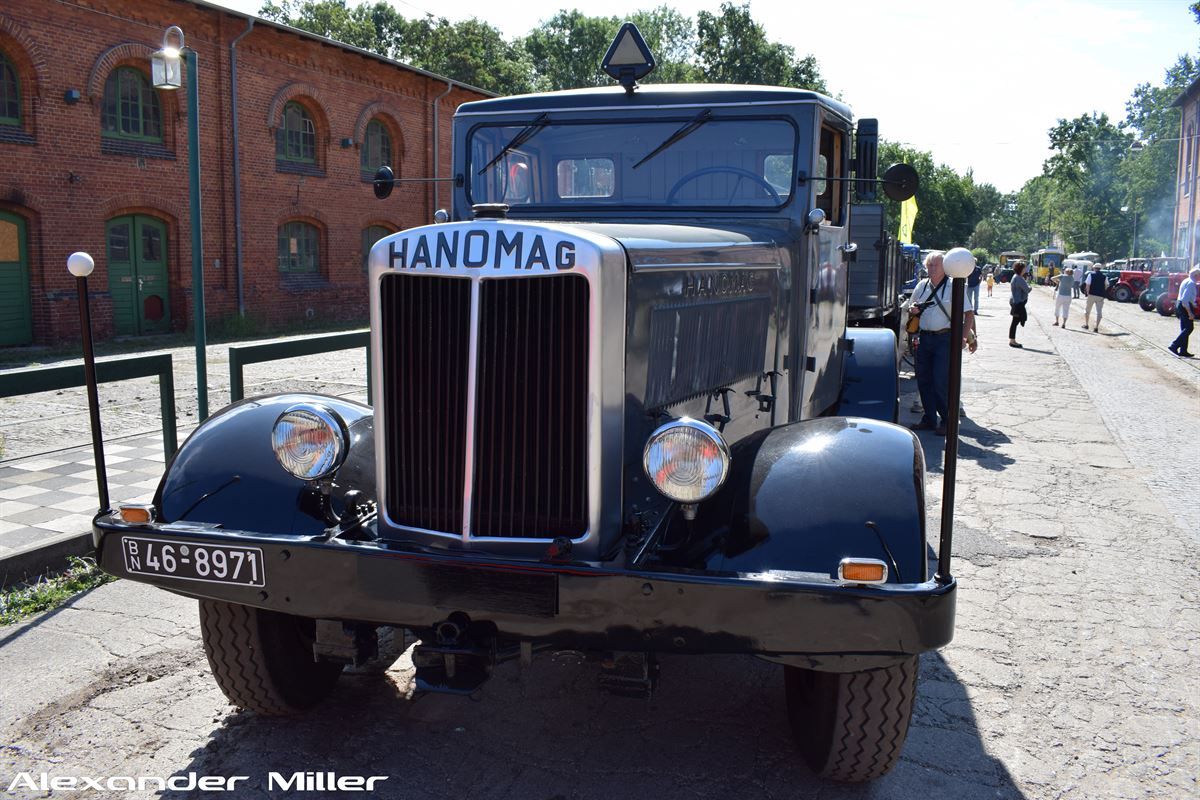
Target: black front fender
(802, 497)
(226, 472)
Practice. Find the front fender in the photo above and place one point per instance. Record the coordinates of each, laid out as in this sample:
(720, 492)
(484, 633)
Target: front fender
(226, 472)
(802, 497)
(871, 387)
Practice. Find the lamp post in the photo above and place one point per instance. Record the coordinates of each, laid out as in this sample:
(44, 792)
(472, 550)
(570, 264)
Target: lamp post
(166, 73)
(81, 265)
(958, 264)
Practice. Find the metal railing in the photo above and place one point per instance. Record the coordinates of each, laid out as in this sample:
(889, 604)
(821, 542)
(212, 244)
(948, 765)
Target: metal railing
(50, 379)
(242, 355)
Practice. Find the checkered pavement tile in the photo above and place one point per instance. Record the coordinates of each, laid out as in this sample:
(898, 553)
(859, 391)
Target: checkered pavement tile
(55, 493)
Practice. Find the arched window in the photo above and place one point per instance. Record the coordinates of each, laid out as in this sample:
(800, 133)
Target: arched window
(298, 247)
(376, 148)
(296, 137)
(370, 235)
(131, 109)
(10, 93)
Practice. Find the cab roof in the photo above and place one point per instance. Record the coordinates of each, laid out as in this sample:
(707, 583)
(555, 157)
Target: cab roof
(653, 95)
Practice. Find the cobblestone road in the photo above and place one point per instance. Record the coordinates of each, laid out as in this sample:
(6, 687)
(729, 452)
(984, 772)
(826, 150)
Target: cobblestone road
(1072, 674)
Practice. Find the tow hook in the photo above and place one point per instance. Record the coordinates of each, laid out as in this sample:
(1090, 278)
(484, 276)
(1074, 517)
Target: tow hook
(629, 674)
(457, 661)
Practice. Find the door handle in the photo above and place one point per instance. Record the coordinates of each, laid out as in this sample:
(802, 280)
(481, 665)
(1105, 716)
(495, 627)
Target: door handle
(139, 284)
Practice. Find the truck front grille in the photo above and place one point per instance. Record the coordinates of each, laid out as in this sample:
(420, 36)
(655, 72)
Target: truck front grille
(531, 409)
(529, 465)
(426, 329)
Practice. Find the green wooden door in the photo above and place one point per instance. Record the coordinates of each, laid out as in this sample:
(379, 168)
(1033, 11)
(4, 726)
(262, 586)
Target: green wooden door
(16, 321)
(137, 275)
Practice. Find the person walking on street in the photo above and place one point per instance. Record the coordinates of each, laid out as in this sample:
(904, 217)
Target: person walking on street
(1095, 286)
(991, 280)
(1020, 296)
(1077, 273)
(930, 302)
(1065, 280)
(1186, 308)
(973, 282)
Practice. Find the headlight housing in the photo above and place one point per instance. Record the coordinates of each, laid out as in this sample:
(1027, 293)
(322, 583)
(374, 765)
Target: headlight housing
(686, 460)
(310, 441)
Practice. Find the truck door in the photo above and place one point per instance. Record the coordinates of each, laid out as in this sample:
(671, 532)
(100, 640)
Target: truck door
(827, 274)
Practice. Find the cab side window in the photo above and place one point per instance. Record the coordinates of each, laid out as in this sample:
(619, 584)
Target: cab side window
(831, 163)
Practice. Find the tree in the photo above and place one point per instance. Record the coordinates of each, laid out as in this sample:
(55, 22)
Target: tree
(1088, 190)
(948, 213)
(733, 48)
(1150, 173)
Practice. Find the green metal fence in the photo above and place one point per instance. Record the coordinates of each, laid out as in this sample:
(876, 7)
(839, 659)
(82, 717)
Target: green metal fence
(242, 355)
(51, 379)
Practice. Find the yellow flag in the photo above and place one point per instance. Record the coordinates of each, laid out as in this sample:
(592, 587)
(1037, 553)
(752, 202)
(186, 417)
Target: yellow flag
(908, 218)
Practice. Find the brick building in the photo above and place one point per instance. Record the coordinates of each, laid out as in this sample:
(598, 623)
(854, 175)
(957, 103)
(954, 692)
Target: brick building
(1187, 226)
(291, 127)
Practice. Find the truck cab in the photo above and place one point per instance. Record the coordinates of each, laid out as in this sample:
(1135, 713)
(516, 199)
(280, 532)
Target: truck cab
(616, 409)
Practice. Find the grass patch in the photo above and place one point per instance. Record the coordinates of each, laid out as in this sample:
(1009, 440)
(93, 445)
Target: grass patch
(51, 591)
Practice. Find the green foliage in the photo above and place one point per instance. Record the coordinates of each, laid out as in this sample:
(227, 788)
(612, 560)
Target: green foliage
(733, 48)
(982, 256)
(563, 52)
(51, 591)
(948, 203)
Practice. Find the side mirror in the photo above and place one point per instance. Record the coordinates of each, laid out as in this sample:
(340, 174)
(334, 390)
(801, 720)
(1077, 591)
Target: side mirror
(384, 180)
(815, 218)
(900, 182)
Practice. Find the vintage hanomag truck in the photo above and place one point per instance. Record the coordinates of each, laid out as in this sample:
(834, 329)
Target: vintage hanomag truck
(616, 410)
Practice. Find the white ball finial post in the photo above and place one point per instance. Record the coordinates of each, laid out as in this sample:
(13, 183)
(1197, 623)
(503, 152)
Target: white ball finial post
(959, 263)
(80, 264)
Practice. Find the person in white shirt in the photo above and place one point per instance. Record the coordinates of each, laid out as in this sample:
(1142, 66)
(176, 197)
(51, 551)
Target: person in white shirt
(931, 299)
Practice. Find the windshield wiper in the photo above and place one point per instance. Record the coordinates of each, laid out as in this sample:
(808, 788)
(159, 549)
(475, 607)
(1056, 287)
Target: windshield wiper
(527, 133)
(701, 118)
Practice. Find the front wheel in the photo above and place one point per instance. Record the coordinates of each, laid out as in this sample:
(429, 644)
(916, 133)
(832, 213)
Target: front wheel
(1146, 300)
(1122, 294)
(1165, 306)
(263, 660)
(851, 726)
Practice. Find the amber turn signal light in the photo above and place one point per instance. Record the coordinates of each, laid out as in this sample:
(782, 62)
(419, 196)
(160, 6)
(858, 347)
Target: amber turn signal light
(136, 514)
(862, 570)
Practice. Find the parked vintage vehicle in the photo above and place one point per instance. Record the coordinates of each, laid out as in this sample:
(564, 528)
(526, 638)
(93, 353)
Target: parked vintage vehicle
(1163, 294)
(1130, 284)
(616, 410)
(1046, 263)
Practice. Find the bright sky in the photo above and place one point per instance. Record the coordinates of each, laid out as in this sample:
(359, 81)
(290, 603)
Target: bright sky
(976, 83)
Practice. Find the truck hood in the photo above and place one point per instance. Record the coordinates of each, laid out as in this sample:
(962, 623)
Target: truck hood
(693, 246)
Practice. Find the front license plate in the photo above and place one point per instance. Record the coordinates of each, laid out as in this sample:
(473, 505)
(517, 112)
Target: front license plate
(194, 562)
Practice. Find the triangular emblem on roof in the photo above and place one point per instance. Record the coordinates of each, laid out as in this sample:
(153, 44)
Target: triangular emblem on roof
(628, 59)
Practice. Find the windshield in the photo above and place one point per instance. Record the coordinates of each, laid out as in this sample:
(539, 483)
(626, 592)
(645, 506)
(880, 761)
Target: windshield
(715, 163)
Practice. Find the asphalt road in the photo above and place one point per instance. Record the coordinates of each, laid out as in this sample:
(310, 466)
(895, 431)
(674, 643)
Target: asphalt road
(1072, 673)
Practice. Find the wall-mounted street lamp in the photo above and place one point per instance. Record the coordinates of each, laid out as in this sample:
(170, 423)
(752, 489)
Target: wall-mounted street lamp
(166, 65)
(166, 71)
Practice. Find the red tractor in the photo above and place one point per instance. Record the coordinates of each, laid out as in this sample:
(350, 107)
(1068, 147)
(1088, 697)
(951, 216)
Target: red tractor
(1129, 286)
(1163, 288)
(1165, 303)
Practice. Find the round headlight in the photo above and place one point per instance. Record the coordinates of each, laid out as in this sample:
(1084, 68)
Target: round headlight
(686, 460)
(309, 441)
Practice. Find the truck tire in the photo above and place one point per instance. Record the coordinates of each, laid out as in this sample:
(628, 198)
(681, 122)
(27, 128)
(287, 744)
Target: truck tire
(851, 726)
(263, 660)
(1164, 305)
(1122, 293)
(1146, 300)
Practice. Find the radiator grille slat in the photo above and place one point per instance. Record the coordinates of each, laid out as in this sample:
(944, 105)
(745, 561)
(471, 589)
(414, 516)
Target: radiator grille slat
(425, 337)
(531, 409)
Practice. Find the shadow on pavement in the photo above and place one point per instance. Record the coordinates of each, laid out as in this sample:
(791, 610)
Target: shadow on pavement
(716, 728)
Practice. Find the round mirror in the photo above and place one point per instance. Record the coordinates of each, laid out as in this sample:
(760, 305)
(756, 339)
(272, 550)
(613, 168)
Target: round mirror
(900, 182)
(384, 179)
(816, 217)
